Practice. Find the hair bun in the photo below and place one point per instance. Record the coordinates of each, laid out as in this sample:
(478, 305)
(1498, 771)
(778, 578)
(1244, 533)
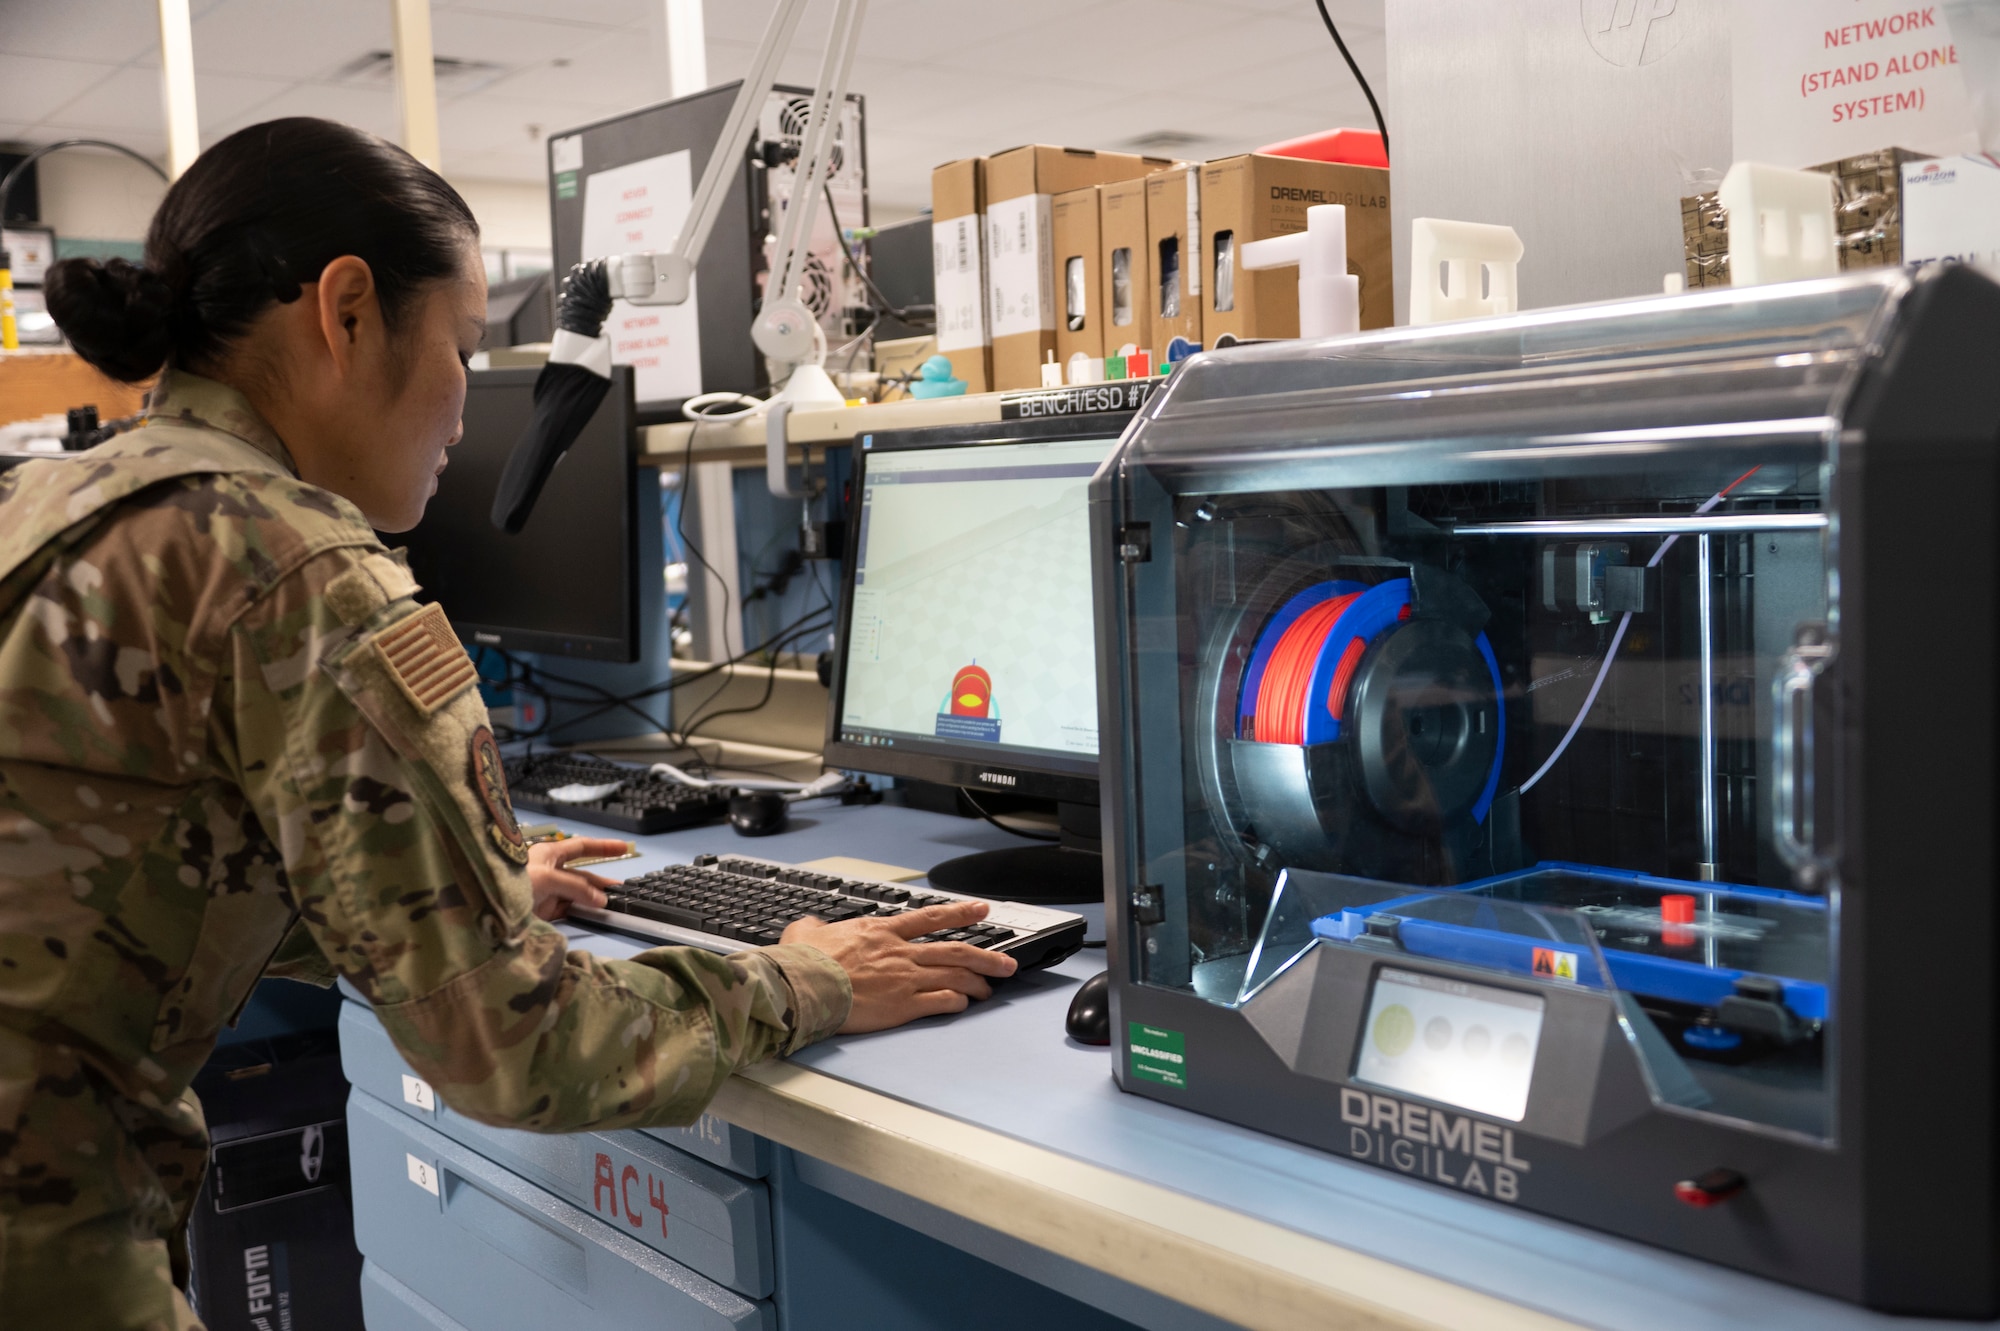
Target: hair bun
(115, 314)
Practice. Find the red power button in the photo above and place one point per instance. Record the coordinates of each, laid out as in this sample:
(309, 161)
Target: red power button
(1711, 1189)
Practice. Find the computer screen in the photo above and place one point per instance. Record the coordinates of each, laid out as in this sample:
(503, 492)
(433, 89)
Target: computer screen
(968, 644)
(568, 582)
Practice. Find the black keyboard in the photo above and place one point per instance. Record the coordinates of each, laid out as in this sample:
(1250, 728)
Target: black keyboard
(730, 902)
(645, 802)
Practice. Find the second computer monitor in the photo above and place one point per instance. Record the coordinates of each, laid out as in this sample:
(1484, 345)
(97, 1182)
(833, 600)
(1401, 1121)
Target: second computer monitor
(569, 582)
(968, 643)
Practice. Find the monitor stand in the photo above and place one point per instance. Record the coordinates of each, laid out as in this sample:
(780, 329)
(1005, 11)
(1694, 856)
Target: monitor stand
(1065, 873)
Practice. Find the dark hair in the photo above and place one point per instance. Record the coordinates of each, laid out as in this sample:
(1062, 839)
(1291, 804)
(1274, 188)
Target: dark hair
(256, 216)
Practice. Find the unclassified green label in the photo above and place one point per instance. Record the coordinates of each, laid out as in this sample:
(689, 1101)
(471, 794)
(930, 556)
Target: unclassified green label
(1158, 1055)
(566, 185)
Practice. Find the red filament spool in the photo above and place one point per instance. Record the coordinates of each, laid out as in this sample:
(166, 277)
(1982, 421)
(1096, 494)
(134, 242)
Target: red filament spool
(1280, 717)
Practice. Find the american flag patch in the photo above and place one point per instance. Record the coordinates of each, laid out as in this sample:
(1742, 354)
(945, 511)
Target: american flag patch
(425, 659)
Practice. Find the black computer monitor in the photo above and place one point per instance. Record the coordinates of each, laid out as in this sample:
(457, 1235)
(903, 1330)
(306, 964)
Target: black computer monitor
(967, 645)
(568, 583)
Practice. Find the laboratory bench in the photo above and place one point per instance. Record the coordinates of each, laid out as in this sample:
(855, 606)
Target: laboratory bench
(971, 1171)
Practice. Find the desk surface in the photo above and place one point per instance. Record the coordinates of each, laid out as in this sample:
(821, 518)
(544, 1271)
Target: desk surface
(995, 1115)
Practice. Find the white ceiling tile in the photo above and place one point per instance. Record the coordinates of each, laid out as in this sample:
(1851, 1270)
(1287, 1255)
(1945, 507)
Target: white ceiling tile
(131, 99)
(32, 88)
(128, 98)
(615, 70)
(505, 40)
(101, 30)
(289, 39)
(364, 109)
(596, 13)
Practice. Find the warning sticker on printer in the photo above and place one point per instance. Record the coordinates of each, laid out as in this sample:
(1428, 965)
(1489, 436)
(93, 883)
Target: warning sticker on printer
(1553, 965)
(1157, 1055)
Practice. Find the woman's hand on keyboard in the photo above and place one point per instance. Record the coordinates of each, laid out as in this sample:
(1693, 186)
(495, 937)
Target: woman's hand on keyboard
(897, 979)
(555, 887)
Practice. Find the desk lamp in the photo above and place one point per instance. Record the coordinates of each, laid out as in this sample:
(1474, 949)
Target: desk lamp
(578, 372)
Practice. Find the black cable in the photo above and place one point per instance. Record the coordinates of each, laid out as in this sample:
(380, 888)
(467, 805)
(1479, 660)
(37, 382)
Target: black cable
(883, 304)
(1381, 126)
(695, 722)
(608, 701)
(7, 184)
(1015, 831)
(680, 524)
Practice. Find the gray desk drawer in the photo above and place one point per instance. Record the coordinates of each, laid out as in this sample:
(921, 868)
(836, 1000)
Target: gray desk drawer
(387, 1304)
(705, 1217)
(492, 1251)
(720, 1143)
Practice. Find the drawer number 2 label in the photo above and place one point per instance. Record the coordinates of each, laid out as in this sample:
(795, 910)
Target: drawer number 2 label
(418, 1092)
(422, 1174)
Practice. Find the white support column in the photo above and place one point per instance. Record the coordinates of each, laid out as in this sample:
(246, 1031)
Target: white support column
(715, 600)
(687, 48)
(416, 80)
(177, 82)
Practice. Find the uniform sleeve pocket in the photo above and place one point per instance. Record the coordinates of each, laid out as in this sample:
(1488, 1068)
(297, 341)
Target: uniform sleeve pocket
(436, 728)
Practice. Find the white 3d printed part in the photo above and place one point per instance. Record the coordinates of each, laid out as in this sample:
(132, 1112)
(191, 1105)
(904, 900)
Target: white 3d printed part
(1780, 224)
(1329, 296)
(1444, 257)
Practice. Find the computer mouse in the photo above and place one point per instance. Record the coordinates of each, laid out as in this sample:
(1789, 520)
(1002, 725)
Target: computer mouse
(1089, 1020)
(758, 812)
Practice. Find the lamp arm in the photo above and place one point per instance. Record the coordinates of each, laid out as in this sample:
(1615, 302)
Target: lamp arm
(727, 156)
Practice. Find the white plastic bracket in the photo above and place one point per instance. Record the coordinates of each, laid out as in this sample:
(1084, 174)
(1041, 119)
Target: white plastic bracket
(1444, 258)
(777, 471)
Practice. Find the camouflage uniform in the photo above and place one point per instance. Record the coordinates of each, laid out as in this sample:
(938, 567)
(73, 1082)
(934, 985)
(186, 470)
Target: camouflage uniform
(232, 745)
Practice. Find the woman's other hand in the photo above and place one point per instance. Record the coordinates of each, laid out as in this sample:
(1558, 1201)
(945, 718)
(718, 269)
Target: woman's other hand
(556, 887)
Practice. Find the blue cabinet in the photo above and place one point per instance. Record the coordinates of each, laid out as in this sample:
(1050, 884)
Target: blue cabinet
(704, 1217)
(494, 1252)
(466, 1227)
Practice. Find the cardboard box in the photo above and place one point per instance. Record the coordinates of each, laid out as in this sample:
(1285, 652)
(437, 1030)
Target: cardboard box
(1125, 277)
(958, 269)
(1254, 197)
(1868, 216)
(1021, 297)
(1079, 261)
(1173, 237)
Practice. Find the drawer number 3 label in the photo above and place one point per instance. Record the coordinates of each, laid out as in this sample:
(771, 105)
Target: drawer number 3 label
(422, 1174)
(418, 1092)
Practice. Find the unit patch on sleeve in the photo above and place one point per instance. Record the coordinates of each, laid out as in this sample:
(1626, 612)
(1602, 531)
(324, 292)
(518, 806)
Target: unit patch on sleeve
(426, 659)
(490, 778)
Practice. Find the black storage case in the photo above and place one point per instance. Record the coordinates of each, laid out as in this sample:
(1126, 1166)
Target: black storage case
(1757, 881)
(271, 1237)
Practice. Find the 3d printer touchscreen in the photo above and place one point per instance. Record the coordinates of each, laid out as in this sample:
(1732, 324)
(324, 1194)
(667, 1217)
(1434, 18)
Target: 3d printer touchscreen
(1461, 1044)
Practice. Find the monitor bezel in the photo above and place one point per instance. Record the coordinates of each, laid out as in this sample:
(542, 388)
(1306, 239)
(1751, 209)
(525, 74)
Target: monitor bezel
(1009, 771)
(587, 647)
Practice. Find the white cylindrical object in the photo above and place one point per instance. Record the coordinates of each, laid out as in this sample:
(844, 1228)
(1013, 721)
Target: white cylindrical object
(1329, 306)
(1329, 295)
